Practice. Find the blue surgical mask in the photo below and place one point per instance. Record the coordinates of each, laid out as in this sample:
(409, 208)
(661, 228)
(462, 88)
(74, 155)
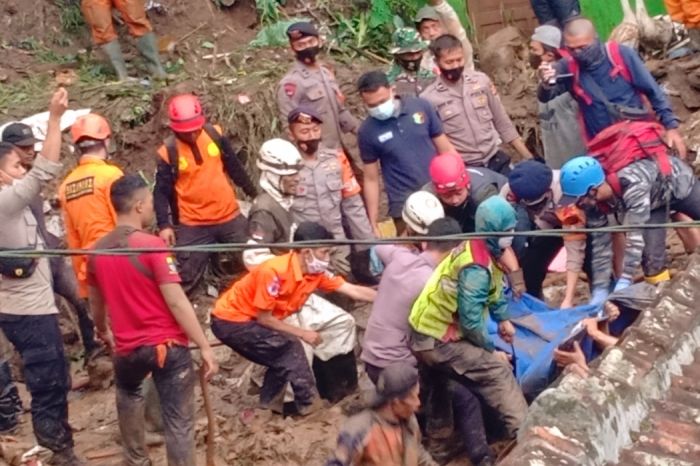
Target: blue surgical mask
(383, 111)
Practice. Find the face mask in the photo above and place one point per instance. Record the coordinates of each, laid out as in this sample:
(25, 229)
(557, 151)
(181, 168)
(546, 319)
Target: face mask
(308, 55)
(309, 147)
(316, 266)
(504, 242)
(535, 60)
(452, 75)
(590, 56)
(409, 65)
(383, 111)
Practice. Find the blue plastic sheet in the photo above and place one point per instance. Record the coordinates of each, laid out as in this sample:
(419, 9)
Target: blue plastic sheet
(539, 330)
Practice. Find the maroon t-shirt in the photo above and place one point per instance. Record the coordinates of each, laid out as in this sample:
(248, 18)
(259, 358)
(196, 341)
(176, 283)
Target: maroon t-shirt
(137, 310)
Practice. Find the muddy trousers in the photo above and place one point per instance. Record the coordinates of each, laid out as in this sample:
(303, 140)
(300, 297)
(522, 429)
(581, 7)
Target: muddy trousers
(174, 382)
(40, 344)
(66, 286)
(481, 372)
(192, 265)
(282, 354)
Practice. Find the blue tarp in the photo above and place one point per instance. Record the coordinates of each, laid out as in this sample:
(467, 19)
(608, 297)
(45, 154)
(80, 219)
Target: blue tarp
(539, 331)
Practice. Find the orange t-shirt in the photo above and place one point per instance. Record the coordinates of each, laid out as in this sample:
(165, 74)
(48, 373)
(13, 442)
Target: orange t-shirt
(88, 214)
(277, 285)
(205, 195)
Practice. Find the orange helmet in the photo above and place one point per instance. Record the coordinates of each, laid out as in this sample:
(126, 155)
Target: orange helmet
(185, 112)
(90, 126)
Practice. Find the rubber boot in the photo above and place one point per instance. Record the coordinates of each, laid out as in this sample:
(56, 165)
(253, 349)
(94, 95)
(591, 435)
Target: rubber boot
(148, 47)
(114, 52)
(66, 457)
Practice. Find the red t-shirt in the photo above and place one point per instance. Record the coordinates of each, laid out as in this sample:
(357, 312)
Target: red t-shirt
(137, 310)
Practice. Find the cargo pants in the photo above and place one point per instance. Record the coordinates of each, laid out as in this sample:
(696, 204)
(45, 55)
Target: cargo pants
(174, 380)
(38, 340)
(481, 372)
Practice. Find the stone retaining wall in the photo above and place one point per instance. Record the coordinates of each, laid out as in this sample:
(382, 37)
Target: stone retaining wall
(589, 421)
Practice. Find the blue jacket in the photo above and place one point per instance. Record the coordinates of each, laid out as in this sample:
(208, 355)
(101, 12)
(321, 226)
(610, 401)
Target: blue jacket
(617, 90)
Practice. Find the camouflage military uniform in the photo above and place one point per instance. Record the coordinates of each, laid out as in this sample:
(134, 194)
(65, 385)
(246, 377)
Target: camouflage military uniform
(647, 197)
(409, 83)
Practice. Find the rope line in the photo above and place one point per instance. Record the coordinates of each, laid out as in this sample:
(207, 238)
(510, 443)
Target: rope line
(228, 247)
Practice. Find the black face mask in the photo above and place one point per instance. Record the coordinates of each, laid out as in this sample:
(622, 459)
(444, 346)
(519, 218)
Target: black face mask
(409, 65)
(452, 75)
(309, 147)
(308, 55)
(590, 56)
(535, 60)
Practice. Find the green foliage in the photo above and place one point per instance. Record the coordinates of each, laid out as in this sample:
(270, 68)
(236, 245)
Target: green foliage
(268, 10)
(42, 52)
(274, 35)
(371, 28)
(71, 17)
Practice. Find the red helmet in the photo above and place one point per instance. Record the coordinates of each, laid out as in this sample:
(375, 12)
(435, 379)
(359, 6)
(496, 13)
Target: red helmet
(90, 126)
(185, 113)
(447, 172)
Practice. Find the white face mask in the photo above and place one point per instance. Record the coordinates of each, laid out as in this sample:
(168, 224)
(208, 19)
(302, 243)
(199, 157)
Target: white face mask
(383, 111)
(504, 242)
(316, 266)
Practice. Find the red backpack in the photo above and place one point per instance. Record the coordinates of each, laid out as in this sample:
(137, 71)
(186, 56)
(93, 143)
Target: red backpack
(626, 142)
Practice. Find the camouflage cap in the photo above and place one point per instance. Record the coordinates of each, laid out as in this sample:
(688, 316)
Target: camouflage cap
(407, 40)
(427, 12)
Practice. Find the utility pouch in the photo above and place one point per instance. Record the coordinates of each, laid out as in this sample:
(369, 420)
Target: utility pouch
(18, 267)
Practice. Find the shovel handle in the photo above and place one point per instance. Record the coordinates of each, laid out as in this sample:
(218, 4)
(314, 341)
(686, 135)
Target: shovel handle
(211, 423)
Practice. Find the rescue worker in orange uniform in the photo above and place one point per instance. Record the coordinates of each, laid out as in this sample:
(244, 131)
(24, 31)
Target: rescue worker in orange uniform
(98, 15)
(88, 214)
(195, 200)
(251, 317)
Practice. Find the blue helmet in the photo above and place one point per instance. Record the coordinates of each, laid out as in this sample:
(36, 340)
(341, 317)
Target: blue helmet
(579, 175)
(530, 180)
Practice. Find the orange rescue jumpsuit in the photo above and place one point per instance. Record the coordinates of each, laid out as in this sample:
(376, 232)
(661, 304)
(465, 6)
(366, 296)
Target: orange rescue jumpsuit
(87, 210)
(98, 14)
(684, 11)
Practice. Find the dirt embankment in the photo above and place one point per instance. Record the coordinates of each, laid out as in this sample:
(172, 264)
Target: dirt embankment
(237, 88)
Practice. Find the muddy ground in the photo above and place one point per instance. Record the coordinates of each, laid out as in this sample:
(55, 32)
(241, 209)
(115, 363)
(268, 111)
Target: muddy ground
(35, 51)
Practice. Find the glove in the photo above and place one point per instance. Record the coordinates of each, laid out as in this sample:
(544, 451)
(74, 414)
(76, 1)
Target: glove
(517, 283)
(376, 266)
(598, 296)
(622, 283)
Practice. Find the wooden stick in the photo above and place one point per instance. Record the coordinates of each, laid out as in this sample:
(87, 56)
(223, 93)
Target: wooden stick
(211, 422)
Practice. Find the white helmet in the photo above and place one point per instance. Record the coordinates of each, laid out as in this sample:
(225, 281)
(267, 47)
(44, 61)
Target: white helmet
(420, 210)
(279, 157)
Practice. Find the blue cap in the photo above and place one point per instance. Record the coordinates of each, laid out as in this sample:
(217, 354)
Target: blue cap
(530, 180)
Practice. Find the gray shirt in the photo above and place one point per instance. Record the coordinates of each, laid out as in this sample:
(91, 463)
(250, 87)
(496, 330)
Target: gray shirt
(562, 135)
(405, 274)
(18, 229)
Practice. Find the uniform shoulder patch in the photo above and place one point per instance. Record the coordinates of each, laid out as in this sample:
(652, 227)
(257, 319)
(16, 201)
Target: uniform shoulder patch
(273, 287)
(289, 89)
